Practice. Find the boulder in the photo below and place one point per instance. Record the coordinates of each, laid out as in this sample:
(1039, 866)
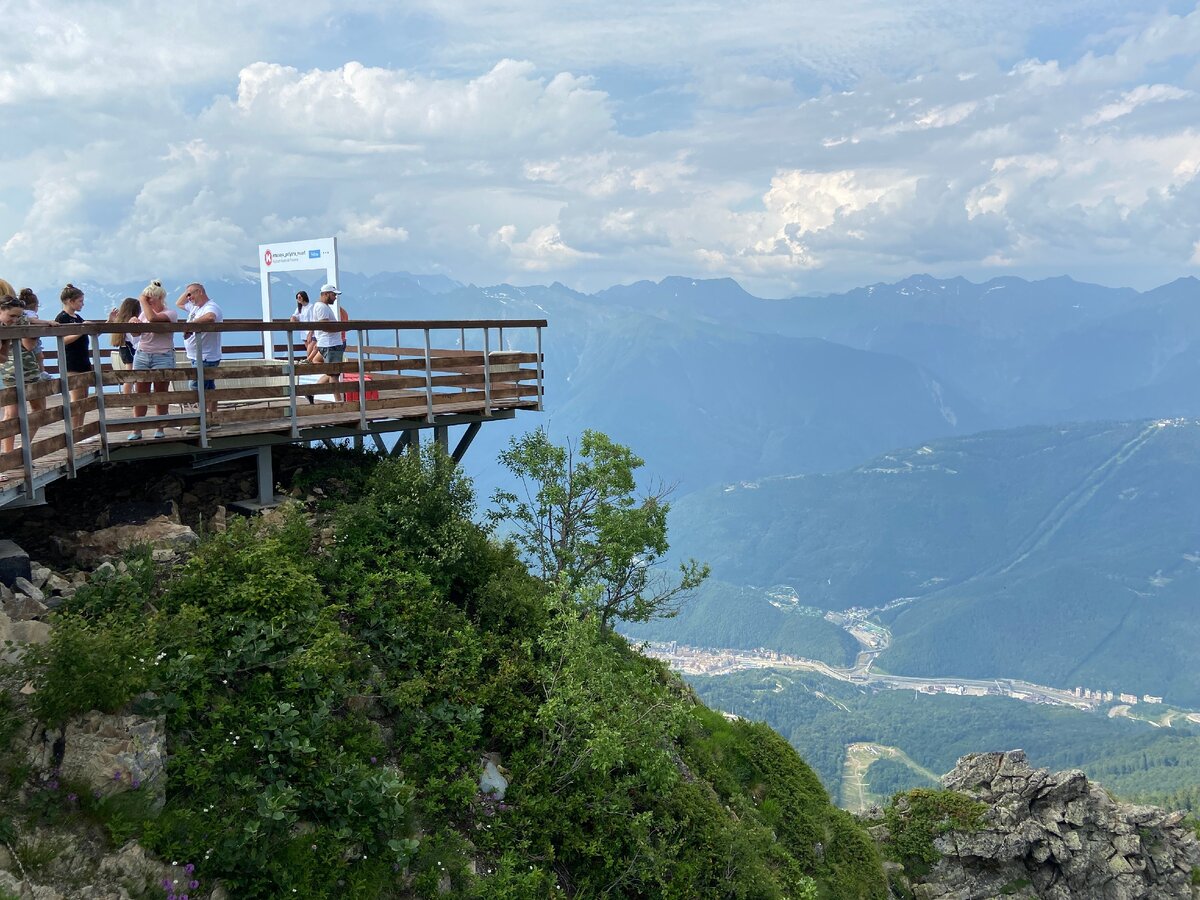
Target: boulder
(1057, 836)
(29, 589)
(109, 753)
(22, 608)
(493, 780)
(14, 563)
(160, 533)
(19, 634)
(38, 574)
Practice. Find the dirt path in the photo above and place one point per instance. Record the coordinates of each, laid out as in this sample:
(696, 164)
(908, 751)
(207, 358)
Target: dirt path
(855, 792)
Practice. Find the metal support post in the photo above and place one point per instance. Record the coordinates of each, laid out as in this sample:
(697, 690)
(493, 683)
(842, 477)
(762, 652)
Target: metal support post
(14, 353)
(487, 375)
(291, 370)
(68, 424)
(441, 437)
(362, 389)
(539, 368)
(428, 380)
(101, 415)
(201, 403)
(460, 450)
(266, 477)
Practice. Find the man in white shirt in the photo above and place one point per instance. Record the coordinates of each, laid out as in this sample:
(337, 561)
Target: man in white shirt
(200, 309)
(330, 344)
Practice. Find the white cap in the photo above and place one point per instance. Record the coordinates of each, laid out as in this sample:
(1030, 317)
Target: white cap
(329, 289)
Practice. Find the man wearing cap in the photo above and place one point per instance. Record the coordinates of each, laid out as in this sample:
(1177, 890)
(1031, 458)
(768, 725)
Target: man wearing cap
(330, 344)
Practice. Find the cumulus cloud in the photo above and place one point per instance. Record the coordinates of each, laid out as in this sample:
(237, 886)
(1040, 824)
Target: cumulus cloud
(357, 108)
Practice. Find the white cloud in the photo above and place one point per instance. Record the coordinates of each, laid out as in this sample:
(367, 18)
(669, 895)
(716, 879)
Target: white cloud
(791, 145)
(1131, 100)
(357, 108)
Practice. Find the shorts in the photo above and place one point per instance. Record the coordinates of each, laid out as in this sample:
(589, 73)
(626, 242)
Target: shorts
(143, 361)
(118, 364)
(209, 384)
(76, 368)
(334, 354)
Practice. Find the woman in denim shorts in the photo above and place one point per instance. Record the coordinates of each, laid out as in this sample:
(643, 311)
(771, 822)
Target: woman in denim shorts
(154, 352)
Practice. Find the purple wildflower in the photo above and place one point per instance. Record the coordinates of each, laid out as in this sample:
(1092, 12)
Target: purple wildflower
(193, 884)
(135, 784)
(190, 868)
(166, 883)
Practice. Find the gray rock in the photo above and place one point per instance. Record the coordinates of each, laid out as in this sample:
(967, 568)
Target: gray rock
(56, 584)
(110, 754)
(29, 589)
(38, 574)
(23, 608)
(1055, 836)
(492, 780)
(159, 533)
(14, 563)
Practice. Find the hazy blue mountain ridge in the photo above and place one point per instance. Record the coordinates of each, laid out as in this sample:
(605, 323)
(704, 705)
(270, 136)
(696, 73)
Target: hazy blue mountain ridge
(1063, 555)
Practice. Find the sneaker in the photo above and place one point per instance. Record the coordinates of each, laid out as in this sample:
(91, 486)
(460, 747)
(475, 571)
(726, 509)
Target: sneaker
(134, 436)
(159, 434)
(213, 426)
(192, 429)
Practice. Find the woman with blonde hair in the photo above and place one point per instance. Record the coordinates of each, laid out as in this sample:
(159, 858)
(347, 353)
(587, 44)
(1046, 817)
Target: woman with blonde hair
(122, 356)
(154, 351)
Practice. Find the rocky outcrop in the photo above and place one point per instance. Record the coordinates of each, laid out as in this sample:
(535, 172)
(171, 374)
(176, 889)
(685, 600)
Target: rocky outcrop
(107, 753)
(160, 533)
(1055, 836)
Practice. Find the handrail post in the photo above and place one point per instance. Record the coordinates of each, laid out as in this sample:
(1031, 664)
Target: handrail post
(203, 407)
(487, 374)
(291, 356)
(101, 412)
(14, 346)
(64, 382)
(539, 368)
(362, 385)
(428, 380)
(500, 337)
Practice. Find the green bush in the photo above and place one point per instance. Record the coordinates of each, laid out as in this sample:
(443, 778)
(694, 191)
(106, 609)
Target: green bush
(915, 818)
(87, 665)
(327, 705)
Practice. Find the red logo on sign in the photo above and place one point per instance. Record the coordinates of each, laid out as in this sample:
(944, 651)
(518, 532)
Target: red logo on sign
(267, 257)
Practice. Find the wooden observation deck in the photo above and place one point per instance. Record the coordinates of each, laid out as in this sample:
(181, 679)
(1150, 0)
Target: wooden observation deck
(418, 375)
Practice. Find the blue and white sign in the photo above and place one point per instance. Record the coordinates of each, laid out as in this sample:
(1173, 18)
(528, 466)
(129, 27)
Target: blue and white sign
(318, 254)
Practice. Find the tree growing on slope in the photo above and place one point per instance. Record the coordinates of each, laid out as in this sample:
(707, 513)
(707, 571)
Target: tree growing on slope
(583, 526)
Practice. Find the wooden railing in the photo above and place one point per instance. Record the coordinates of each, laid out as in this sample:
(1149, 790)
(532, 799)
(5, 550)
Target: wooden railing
(392, 370)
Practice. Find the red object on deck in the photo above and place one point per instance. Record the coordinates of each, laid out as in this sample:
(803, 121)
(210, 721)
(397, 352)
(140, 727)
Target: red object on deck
(353, 397)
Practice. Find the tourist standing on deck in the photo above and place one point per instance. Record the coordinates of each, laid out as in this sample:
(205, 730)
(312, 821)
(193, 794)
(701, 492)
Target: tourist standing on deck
(155, 352)
(330, 344)
(122, 356)
(19, 360)
(203, 345)
(303, 313)
(78, 356)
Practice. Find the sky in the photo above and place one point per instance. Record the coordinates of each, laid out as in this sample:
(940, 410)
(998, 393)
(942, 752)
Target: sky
(798, 147)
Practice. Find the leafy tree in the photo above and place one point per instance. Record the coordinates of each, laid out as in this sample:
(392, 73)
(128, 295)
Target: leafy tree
(584, 528)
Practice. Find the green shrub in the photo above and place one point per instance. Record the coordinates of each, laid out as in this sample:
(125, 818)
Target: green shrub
(915, 818)
(87, 665)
